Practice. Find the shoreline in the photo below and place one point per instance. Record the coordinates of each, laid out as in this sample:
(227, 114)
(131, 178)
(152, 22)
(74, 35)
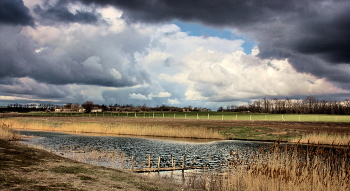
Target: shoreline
(28, 168)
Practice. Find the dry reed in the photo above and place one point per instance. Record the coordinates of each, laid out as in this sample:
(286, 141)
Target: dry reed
(137, 129)
(7, 133)
(283, 168)
(323, 138)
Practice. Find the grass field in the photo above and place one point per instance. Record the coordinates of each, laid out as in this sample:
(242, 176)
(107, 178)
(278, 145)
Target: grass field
(214, 116)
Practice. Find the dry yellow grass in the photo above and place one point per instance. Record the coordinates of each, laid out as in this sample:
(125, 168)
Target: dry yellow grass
(7, 133)
(287, 169)
(137, 129)
(323, 138)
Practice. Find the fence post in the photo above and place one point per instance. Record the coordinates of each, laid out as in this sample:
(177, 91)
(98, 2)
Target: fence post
(153, 114)
(250, 117)
(185, 116)
(236, 117)
(174, 115)
(208, 116)
(135, 115)
(222, 117)
(197, 116)
(163, 115)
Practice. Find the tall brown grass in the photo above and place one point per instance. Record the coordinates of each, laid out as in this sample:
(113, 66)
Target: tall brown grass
(7, 133)
(288, 168)
(137, 129)
(323, 138)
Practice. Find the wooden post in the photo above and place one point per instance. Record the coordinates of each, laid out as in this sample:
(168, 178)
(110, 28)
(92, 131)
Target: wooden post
(250, 117)
(185, 116)
(236, 117)
(149, 161)
(132, 162)
(208, 116)
(163, 115)
(135, 115)
(172, 161)
(183, 161)
(222, 117)
(174, 115)
(153, 114)
(159, 162)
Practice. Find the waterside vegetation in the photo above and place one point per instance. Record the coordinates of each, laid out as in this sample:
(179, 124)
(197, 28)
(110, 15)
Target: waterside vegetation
(280, 167)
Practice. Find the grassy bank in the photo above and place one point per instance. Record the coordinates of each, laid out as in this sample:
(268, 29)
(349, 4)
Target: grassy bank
(307, 132)
(138, 129)
(24, 168)
(7, 133)
(324, 139)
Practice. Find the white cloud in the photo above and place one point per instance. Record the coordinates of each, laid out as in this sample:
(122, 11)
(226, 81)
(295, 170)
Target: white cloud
(160, 94)
(139, 96)
(173, 101)
(116, 74)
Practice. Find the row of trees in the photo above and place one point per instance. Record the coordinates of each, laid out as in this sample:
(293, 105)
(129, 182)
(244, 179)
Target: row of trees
(90, 106)
(309, 105)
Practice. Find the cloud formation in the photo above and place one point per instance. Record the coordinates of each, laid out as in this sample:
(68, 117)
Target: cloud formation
(14, 12)
(114, 51)
(293, 30)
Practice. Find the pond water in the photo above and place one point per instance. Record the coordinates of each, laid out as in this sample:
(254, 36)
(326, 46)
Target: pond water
(118, 151)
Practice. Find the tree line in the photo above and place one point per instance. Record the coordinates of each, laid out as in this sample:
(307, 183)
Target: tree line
(90, 106)
(309, 105)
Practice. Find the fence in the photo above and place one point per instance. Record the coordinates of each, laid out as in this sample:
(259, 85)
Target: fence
(211, 116)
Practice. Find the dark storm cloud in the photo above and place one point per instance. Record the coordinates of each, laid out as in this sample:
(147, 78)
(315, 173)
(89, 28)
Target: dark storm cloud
(283, 29)
(60, 12)
(14, 12)
(93, 65)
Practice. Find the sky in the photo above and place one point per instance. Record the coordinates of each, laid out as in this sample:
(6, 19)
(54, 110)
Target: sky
(199, 53)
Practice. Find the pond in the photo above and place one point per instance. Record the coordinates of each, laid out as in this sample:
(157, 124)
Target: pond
(118, 151)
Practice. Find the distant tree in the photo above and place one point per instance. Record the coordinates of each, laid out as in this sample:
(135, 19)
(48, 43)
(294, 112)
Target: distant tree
(68, 106)
(88, 106)
(75, 107)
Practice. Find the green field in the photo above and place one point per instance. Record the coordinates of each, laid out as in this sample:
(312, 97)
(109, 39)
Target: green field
(213, 116)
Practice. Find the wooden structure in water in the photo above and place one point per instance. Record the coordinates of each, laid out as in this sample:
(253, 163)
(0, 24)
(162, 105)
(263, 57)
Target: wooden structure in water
(149, 168)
